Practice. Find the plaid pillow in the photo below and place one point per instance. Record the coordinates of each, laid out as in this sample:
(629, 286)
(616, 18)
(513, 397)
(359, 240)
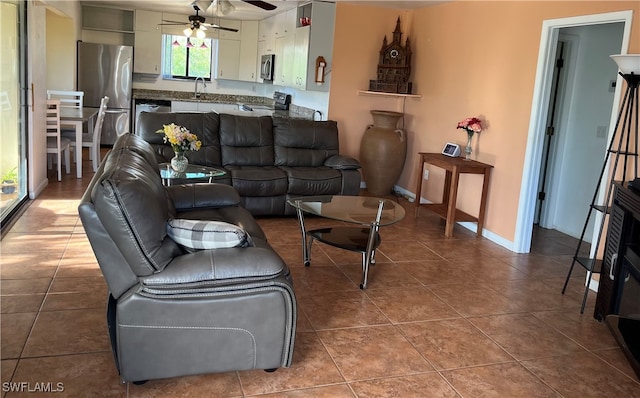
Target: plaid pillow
(198, 234)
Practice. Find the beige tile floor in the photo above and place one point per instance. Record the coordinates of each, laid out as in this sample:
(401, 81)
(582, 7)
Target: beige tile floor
(458, 317)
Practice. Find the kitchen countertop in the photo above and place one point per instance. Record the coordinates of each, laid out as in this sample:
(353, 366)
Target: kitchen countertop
(294, 111)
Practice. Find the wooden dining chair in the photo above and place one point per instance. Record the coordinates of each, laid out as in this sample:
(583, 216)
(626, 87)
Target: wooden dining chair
(71, 99)
(56, 143)
(68, 99)
(91, 139)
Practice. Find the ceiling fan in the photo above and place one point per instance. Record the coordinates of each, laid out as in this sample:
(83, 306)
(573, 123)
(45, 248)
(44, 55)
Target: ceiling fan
(197, 25)
(197, 22)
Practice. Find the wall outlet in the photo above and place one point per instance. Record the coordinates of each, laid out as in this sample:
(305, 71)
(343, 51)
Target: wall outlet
(426, 175)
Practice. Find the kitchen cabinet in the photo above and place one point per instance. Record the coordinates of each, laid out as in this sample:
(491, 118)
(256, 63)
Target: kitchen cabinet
(200, 106)
(266, 39)
(237, 52)
(285, 23)
(229, 23)
(227, 59)
(107, 19)
(300, 57)
(107, 25)
(248, 51)
(147, 42)
(320, 39)
(296, 53)
(283, 68)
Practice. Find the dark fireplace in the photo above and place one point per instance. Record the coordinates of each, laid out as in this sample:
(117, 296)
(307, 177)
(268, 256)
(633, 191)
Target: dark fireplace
(628, 302)
(625, 326)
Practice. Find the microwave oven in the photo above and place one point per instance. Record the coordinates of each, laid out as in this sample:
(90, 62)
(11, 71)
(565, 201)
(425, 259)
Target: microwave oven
(266, 67)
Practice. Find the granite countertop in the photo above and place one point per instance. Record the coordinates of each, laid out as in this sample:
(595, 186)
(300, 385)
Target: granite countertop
(294, 111)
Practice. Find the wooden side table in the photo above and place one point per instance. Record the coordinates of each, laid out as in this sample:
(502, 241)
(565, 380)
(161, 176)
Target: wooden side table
(447, 209)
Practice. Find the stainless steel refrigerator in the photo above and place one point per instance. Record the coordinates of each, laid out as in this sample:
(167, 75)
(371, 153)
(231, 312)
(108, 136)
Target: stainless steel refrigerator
(105, 69)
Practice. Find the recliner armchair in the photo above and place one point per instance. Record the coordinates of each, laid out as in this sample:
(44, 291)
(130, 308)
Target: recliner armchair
(171, 311)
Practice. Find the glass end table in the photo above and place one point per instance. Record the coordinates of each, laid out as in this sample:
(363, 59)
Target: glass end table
(367, 213)
(193, 172)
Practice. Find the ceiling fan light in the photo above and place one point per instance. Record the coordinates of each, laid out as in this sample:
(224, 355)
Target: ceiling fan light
(202, 4)
(224, 7)
(200, 34)
(187, 32)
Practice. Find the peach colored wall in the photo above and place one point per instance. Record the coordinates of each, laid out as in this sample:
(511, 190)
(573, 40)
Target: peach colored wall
(470, 59)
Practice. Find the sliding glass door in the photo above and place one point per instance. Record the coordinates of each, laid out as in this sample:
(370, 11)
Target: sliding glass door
(13, 129)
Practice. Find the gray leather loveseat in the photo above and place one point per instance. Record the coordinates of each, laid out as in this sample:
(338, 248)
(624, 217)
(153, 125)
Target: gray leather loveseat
(268, 159)
(173, 310)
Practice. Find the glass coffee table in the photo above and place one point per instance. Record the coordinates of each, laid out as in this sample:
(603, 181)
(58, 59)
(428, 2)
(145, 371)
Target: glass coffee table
(193, 172)
(367, 214)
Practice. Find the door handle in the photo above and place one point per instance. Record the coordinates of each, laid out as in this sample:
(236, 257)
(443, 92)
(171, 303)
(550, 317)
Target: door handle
(614, 258)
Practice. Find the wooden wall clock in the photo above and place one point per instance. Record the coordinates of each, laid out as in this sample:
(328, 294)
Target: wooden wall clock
(394, 65)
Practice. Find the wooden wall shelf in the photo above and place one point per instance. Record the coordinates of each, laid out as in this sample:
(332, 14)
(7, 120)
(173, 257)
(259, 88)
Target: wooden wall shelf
(380, 93)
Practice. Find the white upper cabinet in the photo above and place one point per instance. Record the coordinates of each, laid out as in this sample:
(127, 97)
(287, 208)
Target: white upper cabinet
(285, 23)
(296, 54)
(147, 42)
(237, 52)
(300, 57)
(321, 33)
(248, 51)
(228, 59)
(225, 34)
(266, 35)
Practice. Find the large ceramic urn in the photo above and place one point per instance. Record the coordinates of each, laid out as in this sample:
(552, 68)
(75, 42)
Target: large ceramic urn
(382, 152)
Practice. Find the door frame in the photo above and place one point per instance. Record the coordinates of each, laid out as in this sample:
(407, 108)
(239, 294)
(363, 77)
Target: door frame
(539, 112)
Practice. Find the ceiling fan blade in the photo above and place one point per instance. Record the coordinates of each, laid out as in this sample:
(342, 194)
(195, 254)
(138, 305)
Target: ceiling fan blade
(172, 22)
(214, 26)
(261, 4)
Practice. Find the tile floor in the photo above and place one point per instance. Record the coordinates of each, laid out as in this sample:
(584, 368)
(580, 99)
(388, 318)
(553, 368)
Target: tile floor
(459, 317)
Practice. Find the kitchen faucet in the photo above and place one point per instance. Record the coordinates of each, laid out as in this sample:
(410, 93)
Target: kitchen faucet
(196, 94)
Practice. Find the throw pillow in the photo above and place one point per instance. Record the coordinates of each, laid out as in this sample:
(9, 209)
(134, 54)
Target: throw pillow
(199, 234)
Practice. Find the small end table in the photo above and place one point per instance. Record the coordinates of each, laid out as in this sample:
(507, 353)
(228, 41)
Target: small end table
(193, 172)
(454, 166)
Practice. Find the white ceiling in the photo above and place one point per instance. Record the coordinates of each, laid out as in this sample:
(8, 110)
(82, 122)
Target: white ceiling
(244, 10)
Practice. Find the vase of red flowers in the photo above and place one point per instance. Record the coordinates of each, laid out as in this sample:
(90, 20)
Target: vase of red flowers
(471, 125)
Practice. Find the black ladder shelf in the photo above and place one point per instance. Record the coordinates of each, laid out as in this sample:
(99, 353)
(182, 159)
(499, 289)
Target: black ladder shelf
(622, 138)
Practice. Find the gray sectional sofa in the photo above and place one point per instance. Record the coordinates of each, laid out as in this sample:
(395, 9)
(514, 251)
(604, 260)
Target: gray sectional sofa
(267, 159)
(175, 309)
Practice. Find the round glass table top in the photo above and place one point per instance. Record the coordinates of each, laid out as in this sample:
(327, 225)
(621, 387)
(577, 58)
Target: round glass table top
(193, 172)
(353, 209)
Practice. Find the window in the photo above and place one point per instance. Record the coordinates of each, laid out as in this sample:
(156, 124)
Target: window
(13, 103)
(186, 58)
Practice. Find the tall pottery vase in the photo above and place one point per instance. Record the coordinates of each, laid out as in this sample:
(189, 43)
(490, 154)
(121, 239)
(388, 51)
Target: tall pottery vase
(382, 152)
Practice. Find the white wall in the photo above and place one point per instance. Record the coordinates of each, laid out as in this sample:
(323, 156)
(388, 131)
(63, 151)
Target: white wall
(61, 52)
(37, 21)
(580, 151)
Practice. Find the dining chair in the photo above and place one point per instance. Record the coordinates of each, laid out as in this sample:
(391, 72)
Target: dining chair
(68, 99)
(91, 139)
(71, 99)
(56, 143)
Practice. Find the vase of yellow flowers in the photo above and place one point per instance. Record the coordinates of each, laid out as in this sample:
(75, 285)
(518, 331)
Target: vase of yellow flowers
(470, 125)
(181, 141)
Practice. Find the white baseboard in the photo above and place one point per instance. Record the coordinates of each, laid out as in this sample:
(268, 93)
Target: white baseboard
(507, 244)
(38, 189)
